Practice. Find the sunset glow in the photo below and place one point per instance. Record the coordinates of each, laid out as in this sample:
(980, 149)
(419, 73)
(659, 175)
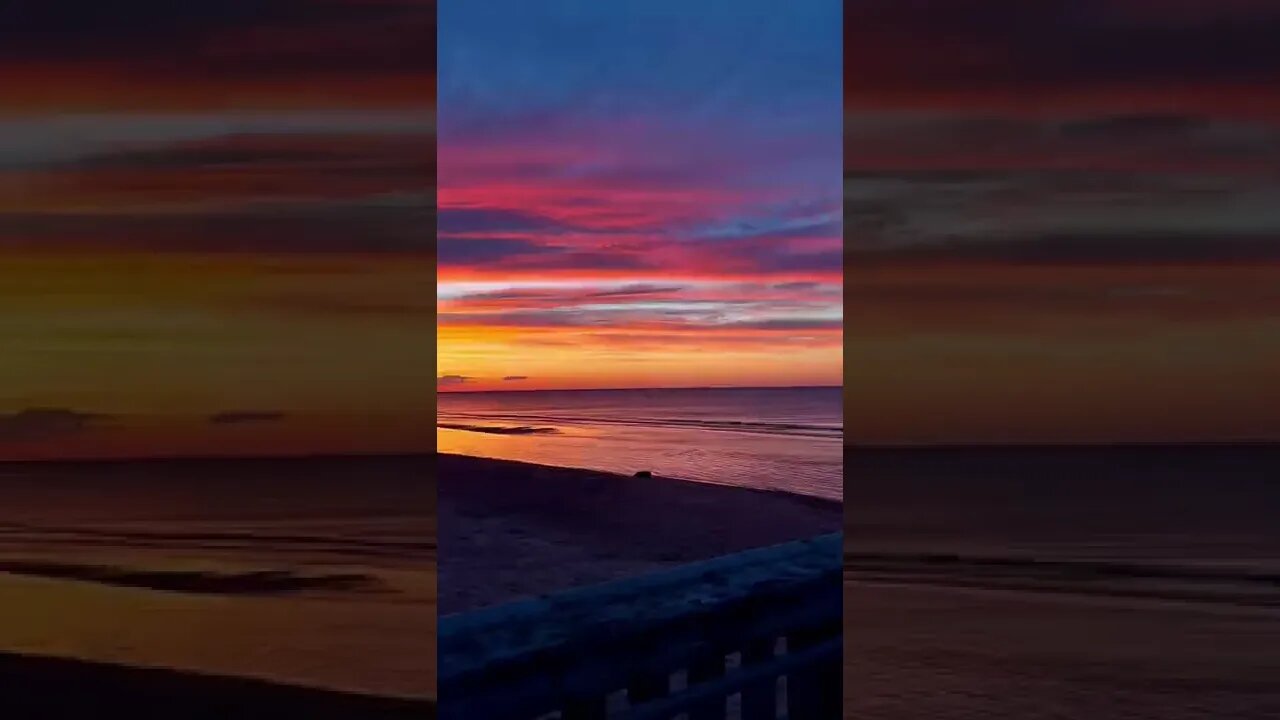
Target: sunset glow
(1062, 221)
(620, 207)
(215, 227)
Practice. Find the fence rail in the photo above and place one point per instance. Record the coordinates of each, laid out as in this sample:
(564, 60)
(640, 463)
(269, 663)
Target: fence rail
(755, 635)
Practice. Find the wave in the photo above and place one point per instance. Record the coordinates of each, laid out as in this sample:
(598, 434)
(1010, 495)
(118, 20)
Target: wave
(17, 534)
(203, 582)
(500, 429)
(815, 430)
(1168, 581)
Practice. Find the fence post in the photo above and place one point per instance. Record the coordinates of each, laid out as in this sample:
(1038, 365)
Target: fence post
(760, 701)
(648, 687)
(815, 693)
(708, 666)
(586, 709)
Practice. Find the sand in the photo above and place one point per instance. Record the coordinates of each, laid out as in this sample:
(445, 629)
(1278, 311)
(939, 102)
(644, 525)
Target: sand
(510, 530)
(315, 576)
(41, 687)
(1109, 583)
(948, 653)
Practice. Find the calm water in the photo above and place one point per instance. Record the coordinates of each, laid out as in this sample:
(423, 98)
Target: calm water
(1202, 506)
(786, 439)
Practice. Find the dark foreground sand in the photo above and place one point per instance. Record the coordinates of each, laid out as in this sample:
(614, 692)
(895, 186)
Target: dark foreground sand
(509, 530)
(34, 688)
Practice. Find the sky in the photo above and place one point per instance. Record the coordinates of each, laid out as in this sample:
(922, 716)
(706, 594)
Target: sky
(1062, 221)
(215, 226)
(639, 193)
(1060, 216)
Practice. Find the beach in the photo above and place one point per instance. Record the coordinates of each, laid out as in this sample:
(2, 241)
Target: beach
(314, 580)
(950, 653)
(543, 490)
(1107, 583)
(43, 687)
(307, 580)
(510, 530)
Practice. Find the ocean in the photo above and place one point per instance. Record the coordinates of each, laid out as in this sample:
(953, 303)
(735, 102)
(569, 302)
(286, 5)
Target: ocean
(1062, 582)
(317, 572)
(785, 439)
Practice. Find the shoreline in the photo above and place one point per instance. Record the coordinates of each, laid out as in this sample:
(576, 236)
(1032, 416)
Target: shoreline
(677, 388)
(291, 571)
(816, 500)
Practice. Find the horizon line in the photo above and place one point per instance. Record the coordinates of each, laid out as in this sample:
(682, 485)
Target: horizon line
(1067, 444)
(421, 454)
(631, 389)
